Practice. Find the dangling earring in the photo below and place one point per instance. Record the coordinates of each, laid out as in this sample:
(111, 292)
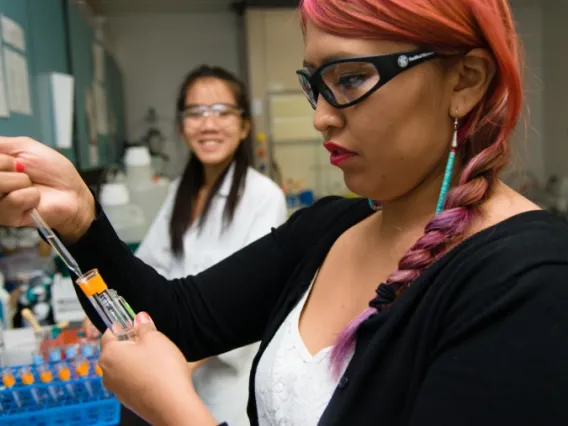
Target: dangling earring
(449, 170)
(375, 206)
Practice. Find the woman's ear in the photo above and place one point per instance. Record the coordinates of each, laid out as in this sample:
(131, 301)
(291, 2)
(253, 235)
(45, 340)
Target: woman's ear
(474, 73)
(245, 129)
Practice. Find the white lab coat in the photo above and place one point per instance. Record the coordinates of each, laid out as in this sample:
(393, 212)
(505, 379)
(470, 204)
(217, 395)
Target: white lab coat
(223, 381)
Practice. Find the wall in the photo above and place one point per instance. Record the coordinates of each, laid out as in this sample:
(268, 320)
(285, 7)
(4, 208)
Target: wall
(21, 124)
(48, 44)
(555, 74)
(275, 46)
(59, 38)
(528, 140)
(156, 51)
(44, 29)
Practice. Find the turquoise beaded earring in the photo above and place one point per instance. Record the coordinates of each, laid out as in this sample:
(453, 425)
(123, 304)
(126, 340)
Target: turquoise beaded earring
(449, 170)
(375, 206)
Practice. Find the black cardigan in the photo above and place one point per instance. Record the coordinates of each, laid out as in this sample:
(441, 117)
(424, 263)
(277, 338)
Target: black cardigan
(480, 338)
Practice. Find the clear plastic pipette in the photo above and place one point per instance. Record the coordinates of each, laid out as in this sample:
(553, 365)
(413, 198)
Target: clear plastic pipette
(56, 243)
(111, 308)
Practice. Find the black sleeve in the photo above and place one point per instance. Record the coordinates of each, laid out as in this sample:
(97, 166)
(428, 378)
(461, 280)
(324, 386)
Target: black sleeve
(490, 370)
(220, 309)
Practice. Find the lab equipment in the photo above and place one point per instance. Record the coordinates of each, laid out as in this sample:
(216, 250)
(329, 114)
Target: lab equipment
(128, 219)
(83, 366)
(144, 189)
(64, 375)
(113, 309)
(9, 381)
(57, 406)
(55, 243)
(28, 379)
(41, 335)
(46, 377)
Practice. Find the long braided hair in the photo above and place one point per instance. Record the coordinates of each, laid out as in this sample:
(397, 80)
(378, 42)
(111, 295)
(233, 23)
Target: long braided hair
(446, 27)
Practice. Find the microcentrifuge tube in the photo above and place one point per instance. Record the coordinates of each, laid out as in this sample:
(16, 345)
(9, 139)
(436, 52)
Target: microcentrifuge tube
(83, 367)
(27, 378)
(62, 369)
(46, 376)
(8, 380)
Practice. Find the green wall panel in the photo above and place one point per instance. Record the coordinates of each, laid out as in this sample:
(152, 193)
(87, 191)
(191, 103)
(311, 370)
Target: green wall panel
(21, 124)
(58, 39)
(81, 39)
(48, 40)
(114, 86)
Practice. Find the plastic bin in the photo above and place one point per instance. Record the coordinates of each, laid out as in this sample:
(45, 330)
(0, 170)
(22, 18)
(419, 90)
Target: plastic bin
(76, 402)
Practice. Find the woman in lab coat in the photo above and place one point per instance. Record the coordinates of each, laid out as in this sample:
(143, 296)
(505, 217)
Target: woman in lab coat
(217, 206)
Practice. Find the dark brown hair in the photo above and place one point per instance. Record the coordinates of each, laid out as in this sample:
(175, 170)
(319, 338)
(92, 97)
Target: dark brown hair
(193, 176)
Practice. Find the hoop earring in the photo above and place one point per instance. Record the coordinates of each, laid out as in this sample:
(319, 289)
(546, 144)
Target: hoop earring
(449, 170)
(374, 205)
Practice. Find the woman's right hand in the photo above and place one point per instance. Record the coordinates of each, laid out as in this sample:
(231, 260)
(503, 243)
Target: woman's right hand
(32, 175)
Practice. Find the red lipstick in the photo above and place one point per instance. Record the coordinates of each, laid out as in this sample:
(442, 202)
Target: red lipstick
(338, 153)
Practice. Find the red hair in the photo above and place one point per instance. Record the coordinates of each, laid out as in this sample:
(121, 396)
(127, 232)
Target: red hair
(450, 27)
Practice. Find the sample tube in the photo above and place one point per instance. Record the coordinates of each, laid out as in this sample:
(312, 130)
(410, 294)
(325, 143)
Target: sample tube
(62, 370)
(83, 367)
(46, 376)
(27, 378)
(9, 381)
(99, 372)
(113, 309)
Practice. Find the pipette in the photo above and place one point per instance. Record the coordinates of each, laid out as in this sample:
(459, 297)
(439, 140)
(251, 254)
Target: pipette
(56, 243)
(113, 309)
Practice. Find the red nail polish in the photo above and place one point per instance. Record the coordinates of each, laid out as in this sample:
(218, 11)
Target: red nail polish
(19, 167)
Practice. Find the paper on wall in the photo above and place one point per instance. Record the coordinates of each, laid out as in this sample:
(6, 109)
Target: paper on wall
(4, 110)
(18, 82)
(13, 33)
(62, 87)
(101, 113)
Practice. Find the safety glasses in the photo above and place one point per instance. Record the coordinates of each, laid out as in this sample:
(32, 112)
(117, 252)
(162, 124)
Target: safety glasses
(345, 82)
(219, 111)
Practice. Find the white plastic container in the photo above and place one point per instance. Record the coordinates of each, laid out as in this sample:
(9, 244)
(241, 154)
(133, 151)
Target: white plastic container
(138, 164)
(127, 219)
(145, 190)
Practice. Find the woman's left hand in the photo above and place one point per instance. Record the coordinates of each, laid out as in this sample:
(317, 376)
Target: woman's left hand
(150, 376)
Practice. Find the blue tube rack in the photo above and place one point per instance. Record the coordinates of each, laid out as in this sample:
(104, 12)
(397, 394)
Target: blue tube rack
(80, 401)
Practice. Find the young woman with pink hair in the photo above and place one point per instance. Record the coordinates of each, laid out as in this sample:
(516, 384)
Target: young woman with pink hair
(436, 299)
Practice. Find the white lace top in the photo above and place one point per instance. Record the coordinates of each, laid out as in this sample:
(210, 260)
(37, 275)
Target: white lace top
(292, 387)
